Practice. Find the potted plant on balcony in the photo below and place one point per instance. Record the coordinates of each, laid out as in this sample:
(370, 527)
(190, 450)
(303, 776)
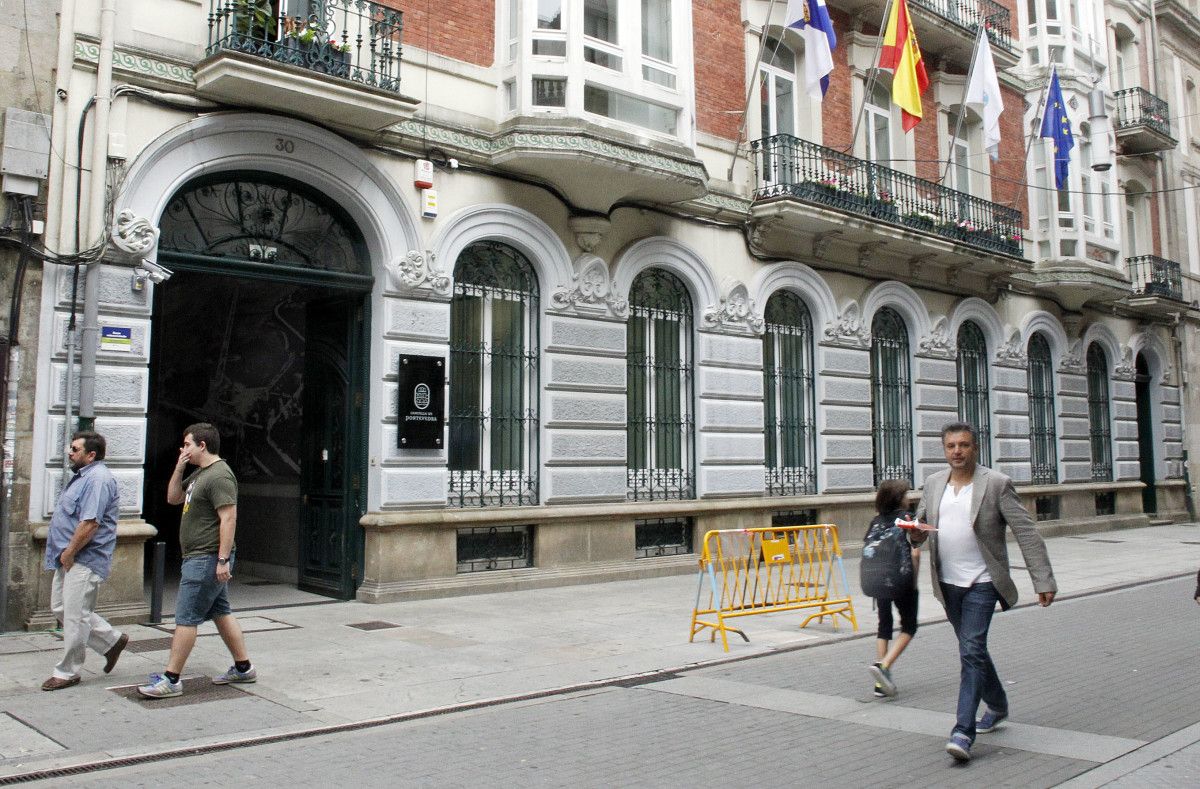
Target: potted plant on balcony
(308, 45)
(253, 24)
(884, 205)
(921, 220)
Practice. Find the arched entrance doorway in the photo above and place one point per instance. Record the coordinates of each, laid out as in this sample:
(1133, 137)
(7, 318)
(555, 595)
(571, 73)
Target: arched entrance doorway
(1145, 425)
(262, 331)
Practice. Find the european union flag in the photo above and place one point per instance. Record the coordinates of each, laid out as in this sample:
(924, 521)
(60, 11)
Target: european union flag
(1057, 126)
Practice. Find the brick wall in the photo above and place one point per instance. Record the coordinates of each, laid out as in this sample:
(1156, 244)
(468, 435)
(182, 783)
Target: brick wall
(719, 52)
(461, 29)
(1008, 173)
(837, 110)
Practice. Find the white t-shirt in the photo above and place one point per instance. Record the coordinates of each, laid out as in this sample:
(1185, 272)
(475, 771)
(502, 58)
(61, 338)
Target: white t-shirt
(958, 551)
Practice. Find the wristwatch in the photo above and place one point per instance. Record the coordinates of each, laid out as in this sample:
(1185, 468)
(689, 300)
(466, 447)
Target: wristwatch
(222, 561)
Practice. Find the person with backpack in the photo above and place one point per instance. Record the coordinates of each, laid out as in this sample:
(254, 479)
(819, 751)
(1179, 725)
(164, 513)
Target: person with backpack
(888, 572)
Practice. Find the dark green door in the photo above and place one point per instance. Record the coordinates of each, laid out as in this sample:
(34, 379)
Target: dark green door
(331, 483)
(1145, 423)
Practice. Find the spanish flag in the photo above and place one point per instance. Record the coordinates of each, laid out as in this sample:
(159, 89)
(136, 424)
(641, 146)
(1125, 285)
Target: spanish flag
(901, 54)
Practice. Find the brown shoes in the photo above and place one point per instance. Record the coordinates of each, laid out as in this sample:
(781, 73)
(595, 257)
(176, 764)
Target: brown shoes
(54, 683)
(112, 655)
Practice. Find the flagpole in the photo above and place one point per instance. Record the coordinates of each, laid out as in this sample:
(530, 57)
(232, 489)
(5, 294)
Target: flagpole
(873, 70)
(762, 46)
(962, 108)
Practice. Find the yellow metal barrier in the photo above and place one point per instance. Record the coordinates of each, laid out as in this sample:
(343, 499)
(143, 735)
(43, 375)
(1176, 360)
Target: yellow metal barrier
(765, 571)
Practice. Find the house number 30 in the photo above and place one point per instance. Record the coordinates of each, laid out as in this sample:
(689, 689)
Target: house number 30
(285, 145)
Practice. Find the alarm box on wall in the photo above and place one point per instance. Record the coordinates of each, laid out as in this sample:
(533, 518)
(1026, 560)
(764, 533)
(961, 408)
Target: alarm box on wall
(421, 414)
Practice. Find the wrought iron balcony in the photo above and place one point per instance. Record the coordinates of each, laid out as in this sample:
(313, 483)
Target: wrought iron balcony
(354, 40)
(792, 167)
(970, 14)
(1155, 276)
(1143, 122)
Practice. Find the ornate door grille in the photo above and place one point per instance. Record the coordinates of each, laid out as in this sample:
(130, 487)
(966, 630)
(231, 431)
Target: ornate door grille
(494, 386)
(660, 449)
(790, 411)
(891, 398)
(1042, 434)
(1099, 424)
(973, 406)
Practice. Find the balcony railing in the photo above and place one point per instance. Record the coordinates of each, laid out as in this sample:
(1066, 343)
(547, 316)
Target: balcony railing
(970, 14)
(351, 39)
(1138, 107)
(1155, 276)
(791, 167)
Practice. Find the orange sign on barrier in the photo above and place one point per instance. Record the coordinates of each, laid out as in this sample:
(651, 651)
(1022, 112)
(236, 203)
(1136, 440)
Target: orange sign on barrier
(766, 571)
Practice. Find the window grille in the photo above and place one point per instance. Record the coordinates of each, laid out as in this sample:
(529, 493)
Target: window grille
(662, 537)
(1046, 508)
(805, 517)
(660, 448)
(482, 548)
(891, 398)
(1099, 424)
(973, 406)
(493, 452)
(1042, 434)
(1106, 503)
(790, 418)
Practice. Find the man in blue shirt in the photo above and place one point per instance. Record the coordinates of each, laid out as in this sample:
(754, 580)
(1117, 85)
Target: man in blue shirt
(79, 549)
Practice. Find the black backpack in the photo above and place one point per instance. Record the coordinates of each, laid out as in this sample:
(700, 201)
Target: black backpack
(886, 569)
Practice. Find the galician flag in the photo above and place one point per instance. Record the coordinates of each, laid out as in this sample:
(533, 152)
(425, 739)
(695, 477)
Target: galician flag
(983, 93)
(902, 55)
(811, 19)
(1057, 126)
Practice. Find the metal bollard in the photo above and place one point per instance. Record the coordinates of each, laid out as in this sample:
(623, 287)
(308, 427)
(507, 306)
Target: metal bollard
(156, 588)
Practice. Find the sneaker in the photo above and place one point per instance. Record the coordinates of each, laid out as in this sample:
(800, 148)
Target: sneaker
(233, 675)
(883, 679)
(959, 747)
(879, 694)
(161, 688)
(990, 720)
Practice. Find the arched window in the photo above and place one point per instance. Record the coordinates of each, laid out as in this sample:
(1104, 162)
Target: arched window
(891, 399)
(973, 406)
(1042, 434)
(790, 418)
(493, 452)
(1099, 425)
(660, 451)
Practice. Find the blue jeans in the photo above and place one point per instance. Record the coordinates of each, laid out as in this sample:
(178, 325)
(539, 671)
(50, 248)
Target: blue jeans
(970, 612)
(201, 597)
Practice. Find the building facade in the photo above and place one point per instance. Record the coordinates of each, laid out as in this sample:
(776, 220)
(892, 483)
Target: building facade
(661, 288)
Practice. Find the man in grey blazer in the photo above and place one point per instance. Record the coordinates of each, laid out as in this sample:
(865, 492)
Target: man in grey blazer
(970, 506)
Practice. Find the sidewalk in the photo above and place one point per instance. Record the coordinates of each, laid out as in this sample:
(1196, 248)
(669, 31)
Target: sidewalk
(335, 663)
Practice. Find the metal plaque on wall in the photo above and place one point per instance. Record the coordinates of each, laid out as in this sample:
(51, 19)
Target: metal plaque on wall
(422, 416)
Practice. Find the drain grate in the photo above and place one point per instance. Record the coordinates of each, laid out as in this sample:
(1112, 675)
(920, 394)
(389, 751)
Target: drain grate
(374, 625)
(1110, 542)
(260, 583)
(148, 645)
(196, 690)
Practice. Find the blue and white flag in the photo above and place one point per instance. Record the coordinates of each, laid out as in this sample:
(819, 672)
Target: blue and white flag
(811, 19)
(1057, 126)
(983, 93)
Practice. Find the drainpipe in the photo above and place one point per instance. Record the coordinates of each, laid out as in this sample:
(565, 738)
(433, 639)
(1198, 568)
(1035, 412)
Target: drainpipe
(97, 218)
(1179, 335)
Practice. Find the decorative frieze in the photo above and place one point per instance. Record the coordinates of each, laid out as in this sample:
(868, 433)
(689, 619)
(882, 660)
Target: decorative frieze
(415, 273)
(735, 311)
(1012, 353)
(591, 291)
(938, 344)
(847, 331)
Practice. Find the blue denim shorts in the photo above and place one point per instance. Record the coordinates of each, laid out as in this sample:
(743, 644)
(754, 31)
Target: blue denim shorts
(201, 597)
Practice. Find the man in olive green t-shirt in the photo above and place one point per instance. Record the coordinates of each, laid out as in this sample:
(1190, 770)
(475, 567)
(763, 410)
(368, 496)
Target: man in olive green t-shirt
(206, 528)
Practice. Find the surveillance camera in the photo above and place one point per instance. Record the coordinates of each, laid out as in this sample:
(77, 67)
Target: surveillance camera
(152, 271)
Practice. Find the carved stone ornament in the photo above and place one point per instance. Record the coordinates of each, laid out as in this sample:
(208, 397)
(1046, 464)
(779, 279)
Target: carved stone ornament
(847, 330)
(1125, 370)
(868, 253)
(1072, 361)
(416, 270)
(134, 236)
(821, 242)
(938, 343)
(760, 231)
(1012, 353)
(735, 310)
(589, 231)
(591, 290)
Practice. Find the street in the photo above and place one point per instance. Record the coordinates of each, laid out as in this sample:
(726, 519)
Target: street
(1093, 680)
